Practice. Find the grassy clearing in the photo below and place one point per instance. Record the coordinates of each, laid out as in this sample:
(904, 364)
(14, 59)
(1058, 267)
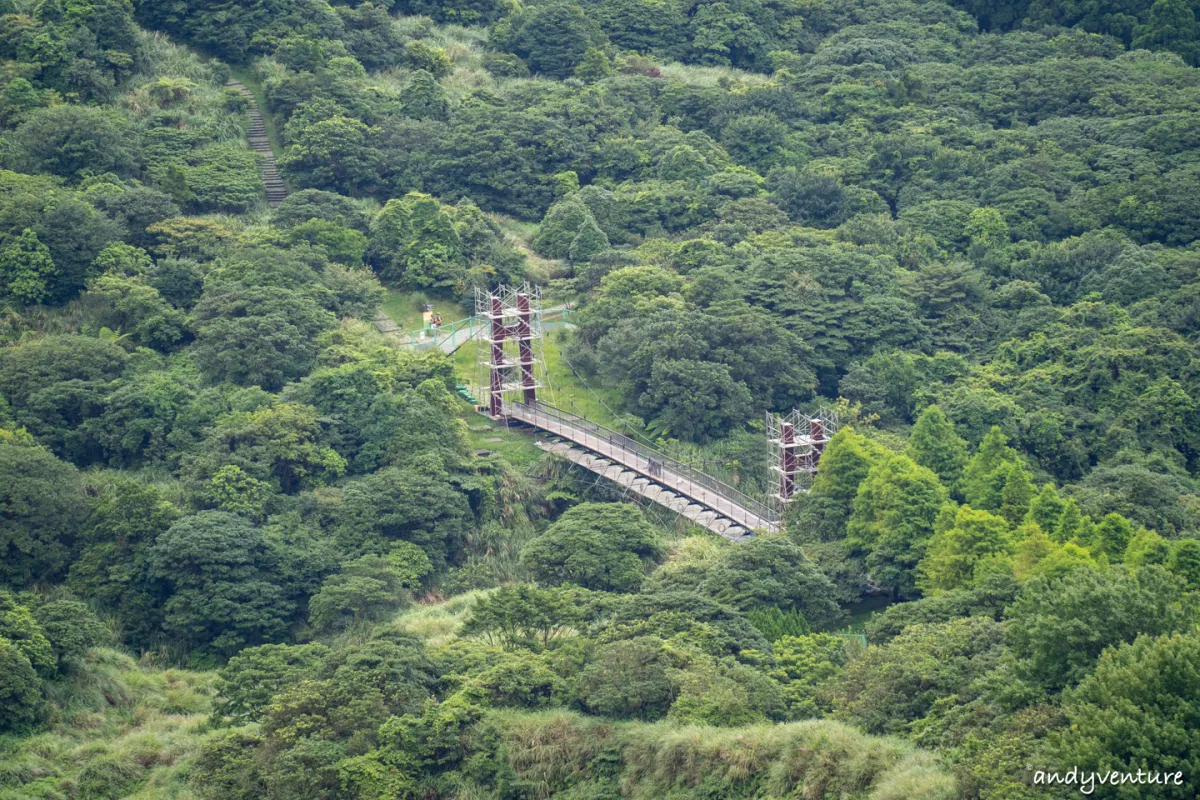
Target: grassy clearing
(574, 394)
(438, 623)
(405, 309)
(516, 446)
(694, 75)
(119, 729)
(568, 392)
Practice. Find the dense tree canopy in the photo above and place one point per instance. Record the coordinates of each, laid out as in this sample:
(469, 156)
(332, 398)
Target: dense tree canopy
(969, 230)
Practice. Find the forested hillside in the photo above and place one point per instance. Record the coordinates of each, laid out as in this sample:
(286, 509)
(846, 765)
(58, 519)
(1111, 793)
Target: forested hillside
(252, 548)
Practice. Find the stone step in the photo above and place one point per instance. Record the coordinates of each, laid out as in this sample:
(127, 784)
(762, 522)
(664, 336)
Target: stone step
(256, 137)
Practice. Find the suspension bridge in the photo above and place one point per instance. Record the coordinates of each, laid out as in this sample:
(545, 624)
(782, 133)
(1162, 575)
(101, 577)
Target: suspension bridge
(510, 323)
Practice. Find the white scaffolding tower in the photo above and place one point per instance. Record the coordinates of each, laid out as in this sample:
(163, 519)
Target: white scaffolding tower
(797, 441)
(511, 361)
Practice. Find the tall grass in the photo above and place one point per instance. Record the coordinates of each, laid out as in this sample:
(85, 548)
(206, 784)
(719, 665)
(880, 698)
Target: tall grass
(810, 760)
(161, 56)
(116, 729)
(438, 623)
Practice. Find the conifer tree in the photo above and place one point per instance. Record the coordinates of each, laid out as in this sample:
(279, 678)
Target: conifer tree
(559, 228)
(1147, 547)
(1016, 496)
(935, 445)
(588, 242)
(953, 554)
(1111, 537)
(1046, 509)
(1071, 525)
(983, 479)
(893, 519)
(423, 98)
(595, 66)
(845, 463)
(1185, 561)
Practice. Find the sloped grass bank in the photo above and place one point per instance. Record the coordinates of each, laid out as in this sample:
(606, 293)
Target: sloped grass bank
(117, 730)
(565, 754)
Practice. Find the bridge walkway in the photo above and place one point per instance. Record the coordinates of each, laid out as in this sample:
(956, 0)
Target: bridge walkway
(655, 476)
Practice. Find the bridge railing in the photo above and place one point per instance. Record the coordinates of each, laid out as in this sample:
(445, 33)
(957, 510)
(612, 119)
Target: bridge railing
(434, 337)
(543, 415)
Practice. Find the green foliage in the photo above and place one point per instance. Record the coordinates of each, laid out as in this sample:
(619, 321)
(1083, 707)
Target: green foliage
(252, 335)
(139, 310)
(223, 590)
(987, 599)
(1146, 548)
(630, 679)
(725, 693)
(935, 445)
(20, 689)
(987, 472)
(369, 584)
(26, 269)
(113, 569)
(21, 630)
(603, 546)
(562, 223)
(334, 155)
(395, 504)
(772, 571)
(696, 400)
(521, 615)
(891, 686)
(844, 465)
(43, 505)
(255, 675)
(75, 141)
(71, 628)
(1046, 509)
(1135, 711)
(1060, 626)
(892, 522)
(219, 178)
(277, 446)
(965, 540)
(424, 99)
(654, 761)
(1016, 496)
(775, 623)
(1185, 561)
(804, 665)
(122, 260)
(589, 241)
(554, 40)
(978, 228)
(1111, 537)
(414, 243)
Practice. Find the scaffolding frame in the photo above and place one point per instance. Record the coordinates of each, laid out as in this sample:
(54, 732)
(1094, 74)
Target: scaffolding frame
(797, 441)
(511, 354)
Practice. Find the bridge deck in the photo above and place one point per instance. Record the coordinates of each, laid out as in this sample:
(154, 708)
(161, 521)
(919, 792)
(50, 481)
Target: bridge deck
(707, 495)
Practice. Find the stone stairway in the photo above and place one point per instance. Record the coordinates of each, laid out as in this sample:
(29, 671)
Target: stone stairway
(257, 135)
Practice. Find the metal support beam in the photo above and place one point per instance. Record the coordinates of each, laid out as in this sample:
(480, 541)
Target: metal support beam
(524, 334)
